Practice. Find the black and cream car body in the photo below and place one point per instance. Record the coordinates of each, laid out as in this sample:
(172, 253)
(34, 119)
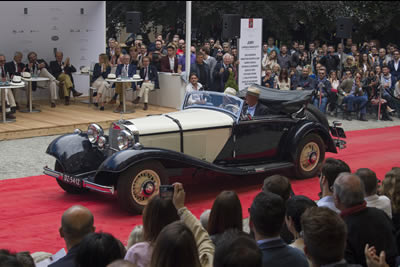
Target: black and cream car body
(209, 132)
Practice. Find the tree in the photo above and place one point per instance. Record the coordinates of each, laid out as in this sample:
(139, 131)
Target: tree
(285, 20)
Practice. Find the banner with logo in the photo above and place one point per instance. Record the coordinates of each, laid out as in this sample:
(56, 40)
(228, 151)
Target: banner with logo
(78, 29)
(250, 52)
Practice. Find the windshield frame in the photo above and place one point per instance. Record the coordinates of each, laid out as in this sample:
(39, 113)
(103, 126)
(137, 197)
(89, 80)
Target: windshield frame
(235, 115)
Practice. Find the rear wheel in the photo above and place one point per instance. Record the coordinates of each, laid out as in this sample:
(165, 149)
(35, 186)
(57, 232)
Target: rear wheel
(139, 183)
(67, 188)
(310, 154)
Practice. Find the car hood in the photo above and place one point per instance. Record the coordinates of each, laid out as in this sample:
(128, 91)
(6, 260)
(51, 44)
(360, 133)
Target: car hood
(189, 119)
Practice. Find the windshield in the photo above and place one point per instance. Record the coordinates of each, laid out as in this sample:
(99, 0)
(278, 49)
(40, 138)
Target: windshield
(213, 100)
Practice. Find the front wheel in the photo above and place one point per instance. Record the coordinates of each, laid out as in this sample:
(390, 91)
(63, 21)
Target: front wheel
(310, 154)
(139, 183)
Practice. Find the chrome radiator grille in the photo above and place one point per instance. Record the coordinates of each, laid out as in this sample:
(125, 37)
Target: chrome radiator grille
(114, 131)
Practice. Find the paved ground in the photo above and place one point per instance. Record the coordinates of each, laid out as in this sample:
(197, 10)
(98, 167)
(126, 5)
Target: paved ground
(26, 157)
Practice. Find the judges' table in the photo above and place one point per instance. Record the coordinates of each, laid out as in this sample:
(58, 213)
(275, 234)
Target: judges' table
(171, 92)
(30, 80)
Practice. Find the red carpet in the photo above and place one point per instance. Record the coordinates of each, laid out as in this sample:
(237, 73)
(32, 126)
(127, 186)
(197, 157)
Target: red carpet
(31, 208)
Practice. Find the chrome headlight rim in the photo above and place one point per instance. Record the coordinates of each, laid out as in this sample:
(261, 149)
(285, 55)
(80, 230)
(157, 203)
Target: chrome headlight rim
(125, 140)
(101, 143)
(94, 132)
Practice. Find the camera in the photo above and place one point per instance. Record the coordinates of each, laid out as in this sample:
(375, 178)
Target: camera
(166, 191)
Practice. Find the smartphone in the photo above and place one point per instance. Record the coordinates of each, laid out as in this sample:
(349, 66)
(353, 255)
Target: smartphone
(166, 191)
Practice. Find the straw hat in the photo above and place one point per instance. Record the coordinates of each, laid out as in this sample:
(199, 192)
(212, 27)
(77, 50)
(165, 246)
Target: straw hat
(254, 91)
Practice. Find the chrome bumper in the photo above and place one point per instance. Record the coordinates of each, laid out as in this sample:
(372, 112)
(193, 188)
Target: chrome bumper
(85, 183)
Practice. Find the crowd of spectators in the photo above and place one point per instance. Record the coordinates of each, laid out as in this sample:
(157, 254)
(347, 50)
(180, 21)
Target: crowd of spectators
(361, 79)
(356, 222)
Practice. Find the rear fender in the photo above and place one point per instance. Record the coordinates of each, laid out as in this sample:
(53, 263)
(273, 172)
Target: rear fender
(303, 129)
(75, 153)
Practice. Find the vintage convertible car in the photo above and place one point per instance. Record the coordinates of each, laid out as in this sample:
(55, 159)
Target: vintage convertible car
(210, 132)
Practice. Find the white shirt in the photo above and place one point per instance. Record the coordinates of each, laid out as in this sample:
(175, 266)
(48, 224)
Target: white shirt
(380, 202)
(328, 203)
(251, 110)
(16, 66)
(171, 63)
(146, 78)
(193, 98)
(396, 64)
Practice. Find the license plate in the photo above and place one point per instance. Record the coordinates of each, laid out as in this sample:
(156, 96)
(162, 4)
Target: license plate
(72, 180)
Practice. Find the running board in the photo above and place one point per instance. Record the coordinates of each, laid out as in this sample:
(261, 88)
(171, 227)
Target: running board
(267, 167)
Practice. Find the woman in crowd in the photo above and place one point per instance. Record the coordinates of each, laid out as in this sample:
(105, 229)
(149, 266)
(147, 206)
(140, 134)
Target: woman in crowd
(98, 250)
(295, 207)
(391, 189)
(226, 213)
(365, 65)
(333, 96)
(373, 90)
(185, 243)
(100, 73)
(158, 213)
(115, 59)
(270, 60)
(282, 82)
(134, 54)
(276, 69)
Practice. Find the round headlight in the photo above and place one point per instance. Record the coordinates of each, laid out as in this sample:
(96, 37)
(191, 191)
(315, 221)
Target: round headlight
(124, 139)
(102, 142)
(94, 132)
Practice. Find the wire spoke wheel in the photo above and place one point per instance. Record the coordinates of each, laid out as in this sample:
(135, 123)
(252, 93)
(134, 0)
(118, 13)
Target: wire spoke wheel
(309, 156)
(145, 184)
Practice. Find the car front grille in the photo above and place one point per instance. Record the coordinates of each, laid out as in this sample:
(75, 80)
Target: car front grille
(114, 131)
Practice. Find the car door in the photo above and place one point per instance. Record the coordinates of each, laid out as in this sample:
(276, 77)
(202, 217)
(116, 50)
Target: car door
(257, 140)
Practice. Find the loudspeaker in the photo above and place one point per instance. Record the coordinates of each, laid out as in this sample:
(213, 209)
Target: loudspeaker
(344, 28)
(133, 21)
(230, 26)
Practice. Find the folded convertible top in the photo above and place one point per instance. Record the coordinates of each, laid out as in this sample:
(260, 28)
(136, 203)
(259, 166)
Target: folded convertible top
(287, 101)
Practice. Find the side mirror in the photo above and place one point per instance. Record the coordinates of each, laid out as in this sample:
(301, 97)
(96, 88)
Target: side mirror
(337, 124)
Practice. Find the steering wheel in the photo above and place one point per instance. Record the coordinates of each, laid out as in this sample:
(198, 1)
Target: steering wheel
(231, 107)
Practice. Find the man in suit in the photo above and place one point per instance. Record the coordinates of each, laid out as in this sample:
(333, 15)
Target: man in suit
(252, 106)
(394, 65)
(124, 70)
(150, 82)
(324, 237)
(9, 97)
(62, 71)
(267, 215)
(170, 62)
(221, 72)
(76, 223)
(15, 67)
(202, 71)
(365, 225)
(36, 65)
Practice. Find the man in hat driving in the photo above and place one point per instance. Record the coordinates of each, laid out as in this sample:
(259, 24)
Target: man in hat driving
(253, 107)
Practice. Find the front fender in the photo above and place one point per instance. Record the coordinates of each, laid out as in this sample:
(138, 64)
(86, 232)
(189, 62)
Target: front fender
(305, 128)
(75, 153)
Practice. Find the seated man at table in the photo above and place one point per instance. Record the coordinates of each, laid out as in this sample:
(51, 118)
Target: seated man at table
(124, 70)
(36, 65)
(63, 72)
(15, 67)
(10, 102)
(150, 81)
